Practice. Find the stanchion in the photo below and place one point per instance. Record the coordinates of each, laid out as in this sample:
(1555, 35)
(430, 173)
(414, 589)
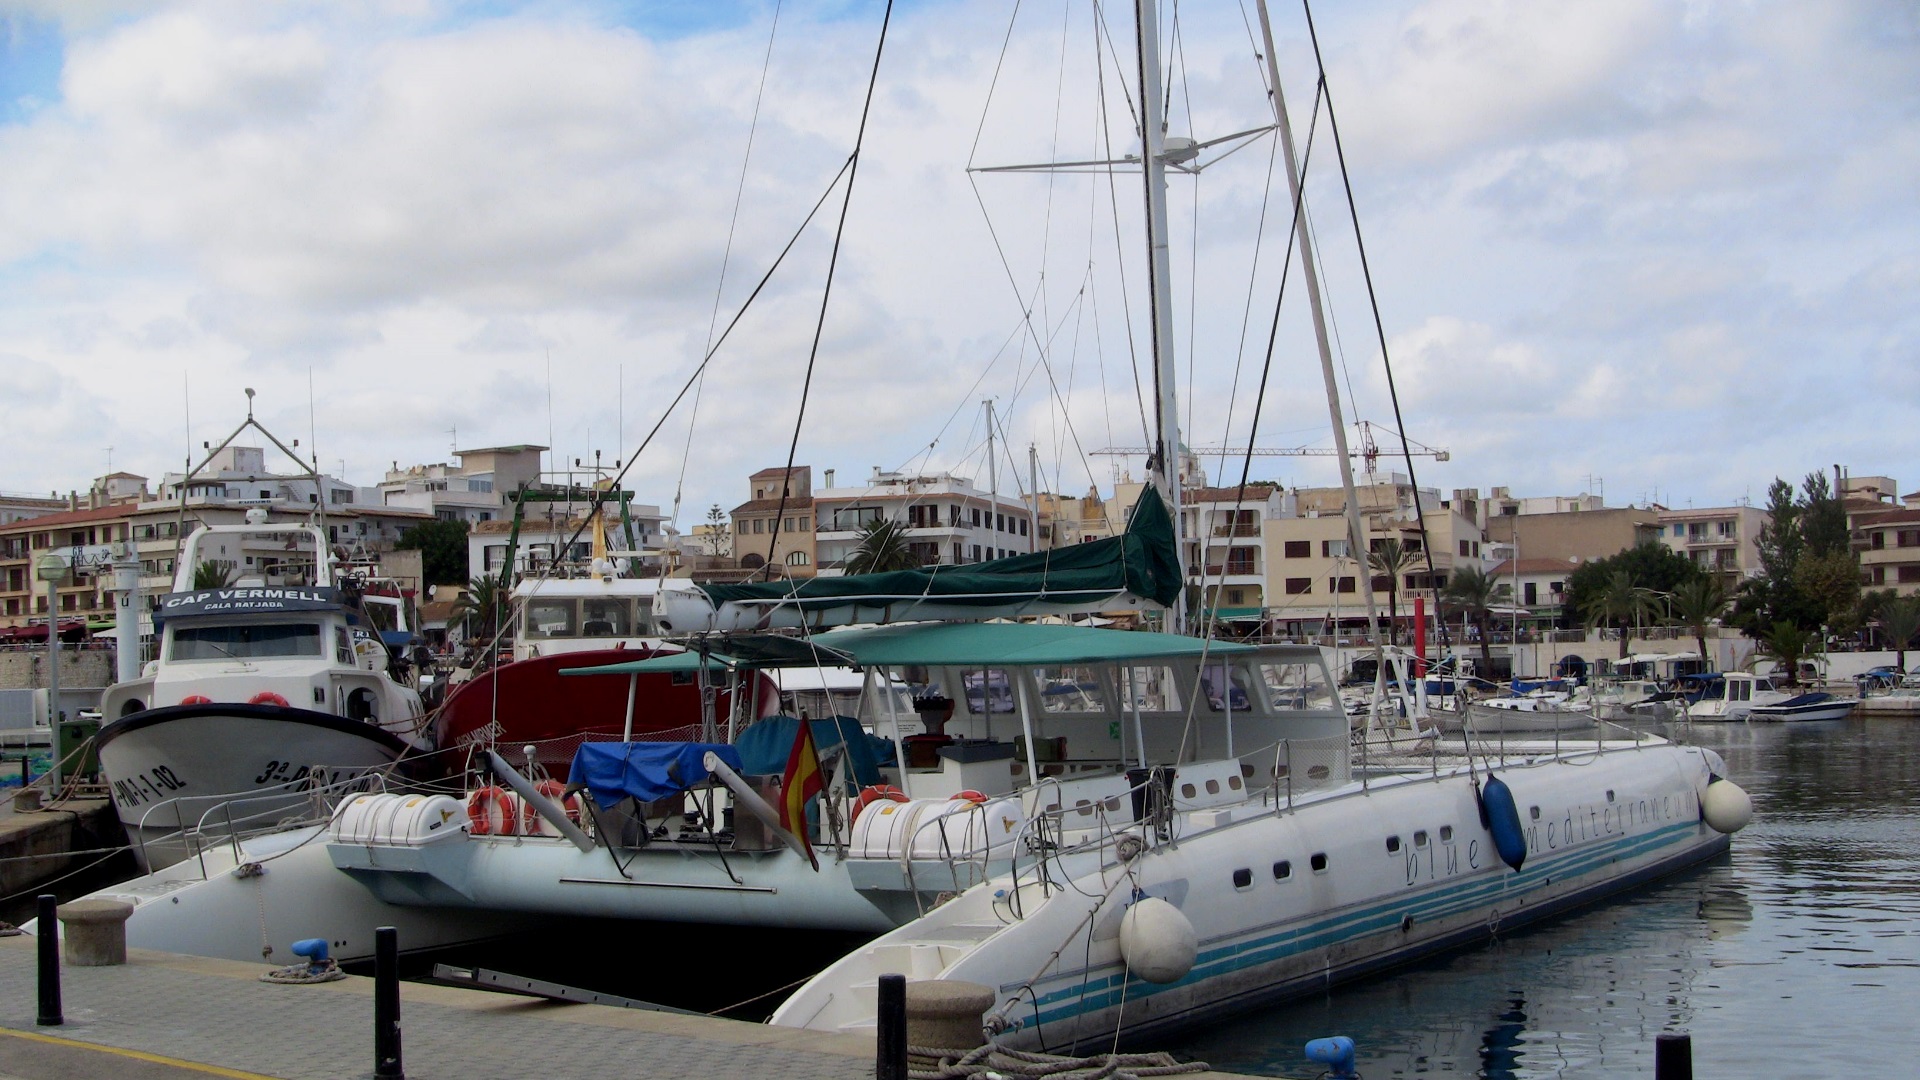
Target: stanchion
(890, 1030)
(47, 927)
(1673, 1057)
(386, 1005)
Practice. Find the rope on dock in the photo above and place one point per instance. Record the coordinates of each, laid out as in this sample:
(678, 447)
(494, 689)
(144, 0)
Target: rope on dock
(982, 1061)
(327, 970)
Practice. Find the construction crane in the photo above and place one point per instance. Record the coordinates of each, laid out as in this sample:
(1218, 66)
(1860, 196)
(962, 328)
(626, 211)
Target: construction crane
(1368, 450)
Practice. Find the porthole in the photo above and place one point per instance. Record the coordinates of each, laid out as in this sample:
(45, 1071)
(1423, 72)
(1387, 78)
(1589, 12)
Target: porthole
(1534, 812)
(1609, 794)
(1282, 870)
(1113, 806)
(1420, 838)
(1319, 862)
(1084, 808)
(1393, 844)
(1189, 790)
(1246, 770)
(1242, 878)
(1234, 783)
(1213, 787)
(1446, 833)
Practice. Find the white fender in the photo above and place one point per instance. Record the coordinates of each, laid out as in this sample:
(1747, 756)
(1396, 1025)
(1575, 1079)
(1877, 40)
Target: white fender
(1726, 806)
(1158, 941)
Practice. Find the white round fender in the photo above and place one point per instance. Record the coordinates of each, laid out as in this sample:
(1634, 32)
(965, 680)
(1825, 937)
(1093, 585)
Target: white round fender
(1726, 806)
(1157, 941)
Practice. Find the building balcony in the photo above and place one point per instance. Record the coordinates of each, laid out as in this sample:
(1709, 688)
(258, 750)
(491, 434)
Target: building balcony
(1712, 541)
(1250, 528)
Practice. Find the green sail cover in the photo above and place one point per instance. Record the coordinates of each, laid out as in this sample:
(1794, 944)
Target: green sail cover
(1141, 562)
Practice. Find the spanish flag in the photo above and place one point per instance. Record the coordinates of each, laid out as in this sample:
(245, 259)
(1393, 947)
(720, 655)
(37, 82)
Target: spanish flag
(801, 782)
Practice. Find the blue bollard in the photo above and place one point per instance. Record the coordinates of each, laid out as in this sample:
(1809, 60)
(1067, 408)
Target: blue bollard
(314, 951)
(1336, 1054)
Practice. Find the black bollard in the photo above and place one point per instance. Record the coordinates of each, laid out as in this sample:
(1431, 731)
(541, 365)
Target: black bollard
(386, 1005)
(48, 929)
(1673, 1057)
(890, 1030)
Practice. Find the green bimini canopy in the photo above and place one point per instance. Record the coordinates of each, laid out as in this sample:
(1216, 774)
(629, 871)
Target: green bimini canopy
(1136, 569)
(1011, 645)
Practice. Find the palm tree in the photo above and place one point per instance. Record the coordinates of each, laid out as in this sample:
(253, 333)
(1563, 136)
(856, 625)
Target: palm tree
(213, 574)
(479, 607)
(1472, 592)
(1698, 603)
(1787, 644)
(1388, 559)
(1899, 621)
(1619, 603)
(882, 547)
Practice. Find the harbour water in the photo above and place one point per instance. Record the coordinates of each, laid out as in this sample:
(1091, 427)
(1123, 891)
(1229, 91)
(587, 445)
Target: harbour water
(1796, 955)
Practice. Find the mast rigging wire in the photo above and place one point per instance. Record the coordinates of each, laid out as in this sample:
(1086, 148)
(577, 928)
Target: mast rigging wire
(1373, 301)
(833, 262)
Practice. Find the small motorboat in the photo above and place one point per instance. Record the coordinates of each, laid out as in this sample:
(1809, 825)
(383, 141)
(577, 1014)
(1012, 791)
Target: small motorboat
(1815, 706)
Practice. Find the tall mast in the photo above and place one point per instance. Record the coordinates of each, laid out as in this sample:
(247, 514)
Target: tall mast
(1153, 169)
(1356, 535)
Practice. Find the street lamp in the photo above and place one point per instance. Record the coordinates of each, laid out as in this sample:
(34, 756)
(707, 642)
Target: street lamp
(52, 569)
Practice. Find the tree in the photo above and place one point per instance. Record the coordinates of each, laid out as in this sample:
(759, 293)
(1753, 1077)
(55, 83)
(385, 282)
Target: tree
(1829, 587)
(882, 547)
(1823, 518)
(1652, 566)
(1899, 620)
(478, 607)
(715, 541)
(1621, 603)
(1809, 573)
(1788, 644)
(214, 574)
(1472, 592)
(1389, 559)
(1698, 603)
(442, 546)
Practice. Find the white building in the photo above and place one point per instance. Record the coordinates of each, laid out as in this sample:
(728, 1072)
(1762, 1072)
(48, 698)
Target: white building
(947, 520)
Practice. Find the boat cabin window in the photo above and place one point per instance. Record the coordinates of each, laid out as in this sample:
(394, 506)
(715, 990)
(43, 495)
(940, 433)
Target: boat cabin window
(245, 641)
(342, 646)
(1318, 861)
(605, 618)
(988, 690)
(1072, 690)
(549, 618)
(1151, 687)
(1297, 686)
(1282, 870)
(1217, 681)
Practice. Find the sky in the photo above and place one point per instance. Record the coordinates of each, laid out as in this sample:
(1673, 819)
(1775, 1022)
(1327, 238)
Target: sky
(1666, 251)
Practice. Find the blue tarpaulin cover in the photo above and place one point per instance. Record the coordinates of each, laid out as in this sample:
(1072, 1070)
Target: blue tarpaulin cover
(764, 746)
(612, 771)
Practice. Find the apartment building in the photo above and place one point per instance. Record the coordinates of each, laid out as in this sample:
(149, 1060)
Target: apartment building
(776, 525)
(1722, 539)
(474, 490)
(947, 520)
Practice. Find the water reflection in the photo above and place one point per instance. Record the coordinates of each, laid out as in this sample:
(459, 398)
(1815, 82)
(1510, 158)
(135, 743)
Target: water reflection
(1804, 940)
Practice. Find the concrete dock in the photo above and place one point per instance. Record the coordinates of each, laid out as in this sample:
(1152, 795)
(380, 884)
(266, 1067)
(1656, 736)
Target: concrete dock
(166, 1016)
(37, 846)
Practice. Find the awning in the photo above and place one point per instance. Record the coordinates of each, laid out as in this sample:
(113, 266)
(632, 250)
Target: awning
(1011, 645)
(645, 771)
(674, 662)
(1237, 612)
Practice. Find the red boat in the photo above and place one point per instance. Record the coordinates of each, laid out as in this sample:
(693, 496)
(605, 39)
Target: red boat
(529, 702)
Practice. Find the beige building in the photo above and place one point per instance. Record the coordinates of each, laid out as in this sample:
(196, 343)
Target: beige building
(1724, 539)
(1586, 534)
(790, 547)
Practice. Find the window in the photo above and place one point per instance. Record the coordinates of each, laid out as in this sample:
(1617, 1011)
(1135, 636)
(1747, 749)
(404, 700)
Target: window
(1282, 870)
(1300, 549)
(1242, 878)
(1420, 838)
(797, 558)
(1446, 834)
(1908, 538)
(1318, 861)
(1530, 591)
(976, 517)
(1340, 584)
(1466, 549)
(1023, 526)
(1333, 549)
(1380, 582)
(976, 553)
(1879, 540)
(1299, 586)
(1393, 845)
(1241, 561)
(1909, 574)
(224, 642)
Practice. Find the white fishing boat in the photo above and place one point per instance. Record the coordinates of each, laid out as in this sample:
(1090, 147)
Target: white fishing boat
(1719, 697)
(1527, 714)
(262, 689)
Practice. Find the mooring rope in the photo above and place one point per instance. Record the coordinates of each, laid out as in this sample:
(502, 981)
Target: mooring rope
(955, 1064)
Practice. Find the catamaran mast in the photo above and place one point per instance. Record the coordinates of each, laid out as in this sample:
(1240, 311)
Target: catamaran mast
(1356, 535)
(1153, 134)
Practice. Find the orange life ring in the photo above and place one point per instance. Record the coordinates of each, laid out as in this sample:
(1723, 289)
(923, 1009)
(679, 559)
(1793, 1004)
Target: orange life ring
(196, 699)
(874, 793)
(267, 697)
(557, 791)
(490, 811)
(968, 795)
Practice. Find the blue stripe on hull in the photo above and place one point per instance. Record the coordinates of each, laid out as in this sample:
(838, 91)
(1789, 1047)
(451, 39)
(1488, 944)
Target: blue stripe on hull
(1674, 847)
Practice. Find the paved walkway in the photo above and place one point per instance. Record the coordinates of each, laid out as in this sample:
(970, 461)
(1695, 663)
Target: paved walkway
(213, 1017)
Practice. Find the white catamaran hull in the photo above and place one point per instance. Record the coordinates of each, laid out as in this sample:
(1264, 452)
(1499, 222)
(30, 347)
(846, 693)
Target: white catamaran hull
(252, 901)
(218, 766)
(1287, 902)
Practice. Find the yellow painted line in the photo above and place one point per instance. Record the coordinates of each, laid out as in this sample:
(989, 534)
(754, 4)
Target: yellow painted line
(137, 1055)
